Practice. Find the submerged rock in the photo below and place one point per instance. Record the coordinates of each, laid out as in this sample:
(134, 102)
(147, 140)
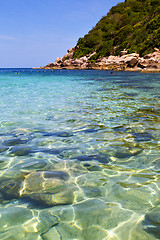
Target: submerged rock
(9, 189)
(21, 151)
(100, 158)
(144, 136)
(128, 152)
(46, 187)
(19, 222)
(58, 134)
(3, 163)
(95, 212)
(15, 141)
(31, 164)
(3, 148)
(151, 222)
(13, 215)
(49, 188)
(12, 220)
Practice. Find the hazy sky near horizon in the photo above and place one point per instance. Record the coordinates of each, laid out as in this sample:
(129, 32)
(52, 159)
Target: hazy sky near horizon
(33, 33)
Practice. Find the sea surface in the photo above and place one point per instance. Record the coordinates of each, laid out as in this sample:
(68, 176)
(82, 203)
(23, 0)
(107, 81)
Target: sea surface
(79, 155)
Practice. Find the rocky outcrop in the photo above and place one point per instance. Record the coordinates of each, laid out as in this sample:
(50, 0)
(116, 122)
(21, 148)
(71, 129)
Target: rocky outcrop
(126, 62)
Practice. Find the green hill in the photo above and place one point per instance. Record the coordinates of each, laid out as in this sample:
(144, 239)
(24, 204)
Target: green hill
(133, 25)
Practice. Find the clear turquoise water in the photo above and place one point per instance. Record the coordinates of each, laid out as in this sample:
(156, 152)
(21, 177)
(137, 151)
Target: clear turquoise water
(79, 155)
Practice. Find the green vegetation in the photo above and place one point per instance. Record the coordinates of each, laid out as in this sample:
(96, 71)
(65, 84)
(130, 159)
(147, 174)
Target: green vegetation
(133, 25)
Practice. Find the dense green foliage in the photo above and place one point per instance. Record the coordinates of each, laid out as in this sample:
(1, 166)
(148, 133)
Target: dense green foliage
(133, 25)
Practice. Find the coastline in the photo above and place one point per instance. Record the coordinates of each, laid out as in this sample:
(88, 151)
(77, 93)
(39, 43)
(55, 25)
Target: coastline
(150, 63)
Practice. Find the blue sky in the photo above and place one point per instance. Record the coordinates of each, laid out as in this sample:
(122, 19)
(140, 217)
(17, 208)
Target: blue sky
(33, 33)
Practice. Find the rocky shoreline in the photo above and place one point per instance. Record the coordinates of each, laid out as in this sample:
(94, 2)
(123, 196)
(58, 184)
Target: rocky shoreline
(123, 62)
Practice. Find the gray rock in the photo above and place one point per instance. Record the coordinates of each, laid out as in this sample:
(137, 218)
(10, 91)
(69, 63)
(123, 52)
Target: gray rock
(131, 61)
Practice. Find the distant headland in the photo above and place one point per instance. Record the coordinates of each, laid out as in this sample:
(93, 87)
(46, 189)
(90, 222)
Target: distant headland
(127, 38)
(123, 62)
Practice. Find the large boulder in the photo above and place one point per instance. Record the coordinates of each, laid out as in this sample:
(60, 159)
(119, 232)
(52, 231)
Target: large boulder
(84, 65)
(66, 63)
(71, 50)
(84, 59)
(51, 65)
(59, 60)
(152, 60)
(111, 58)
(77, 62)
(92, 65)
(131, 61)
(48, 187)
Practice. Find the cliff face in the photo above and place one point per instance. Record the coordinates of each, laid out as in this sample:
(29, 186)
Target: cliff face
(121, 40)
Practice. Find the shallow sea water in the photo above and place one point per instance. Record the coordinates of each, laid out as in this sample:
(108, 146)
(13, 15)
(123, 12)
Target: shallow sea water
(79, 155)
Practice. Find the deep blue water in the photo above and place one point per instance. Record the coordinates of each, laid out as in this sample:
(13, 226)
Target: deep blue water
(79, 155)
